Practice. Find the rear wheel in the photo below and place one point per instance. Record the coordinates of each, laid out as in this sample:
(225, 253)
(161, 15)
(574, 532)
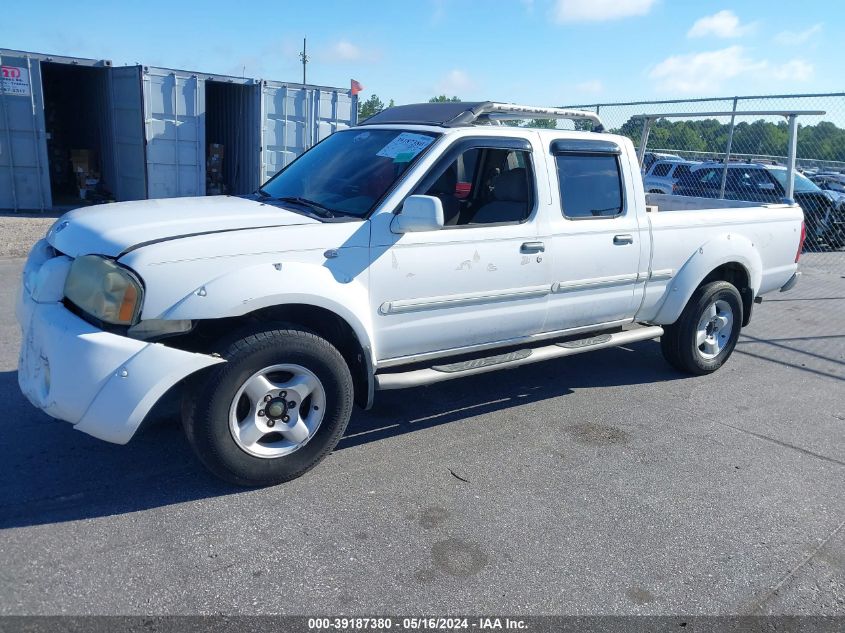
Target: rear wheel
(705, 335)
(273, 411)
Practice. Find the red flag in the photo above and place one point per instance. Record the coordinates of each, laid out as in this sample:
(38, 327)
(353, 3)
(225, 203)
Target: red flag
(354, 87)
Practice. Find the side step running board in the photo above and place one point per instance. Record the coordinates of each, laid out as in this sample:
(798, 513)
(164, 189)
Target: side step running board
(439, 373)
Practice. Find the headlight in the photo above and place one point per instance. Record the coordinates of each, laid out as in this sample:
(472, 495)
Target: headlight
(104, 289)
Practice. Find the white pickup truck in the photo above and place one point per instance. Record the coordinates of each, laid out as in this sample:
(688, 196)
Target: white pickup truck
(426, 244)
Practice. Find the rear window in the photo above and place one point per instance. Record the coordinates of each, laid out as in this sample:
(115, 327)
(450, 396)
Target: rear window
(802, 183)
(590, 186)
(661, 169)
(707, 177)
(681, 171)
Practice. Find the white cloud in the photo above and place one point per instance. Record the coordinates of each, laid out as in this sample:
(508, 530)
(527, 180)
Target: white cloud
(794, 70)
(592, 86)
(702, 72)
(455, 83)
(568, 11)
(345, 51)
(707, 72)
(793, 38)
(723, 24)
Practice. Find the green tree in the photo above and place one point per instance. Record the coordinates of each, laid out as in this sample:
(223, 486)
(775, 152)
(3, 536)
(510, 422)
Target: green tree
(371, 106)
(822, 141)
(444, 99)
(544, 124)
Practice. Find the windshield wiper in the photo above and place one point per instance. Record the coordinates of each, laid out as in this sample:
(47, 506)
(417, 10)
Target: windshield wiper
(319, 209)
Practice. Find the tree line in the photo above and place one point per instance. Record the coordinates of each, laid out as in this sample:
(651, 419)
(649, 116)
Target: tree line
(822, 141)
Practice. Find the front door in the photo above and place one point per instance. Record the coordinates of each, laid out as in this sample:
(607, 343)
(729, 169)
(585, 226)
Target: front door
(483, 278)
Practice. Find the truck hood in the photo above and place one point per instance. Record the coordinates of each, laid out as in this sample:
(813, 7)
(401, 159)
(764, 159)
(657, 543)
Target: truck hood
(111, 229)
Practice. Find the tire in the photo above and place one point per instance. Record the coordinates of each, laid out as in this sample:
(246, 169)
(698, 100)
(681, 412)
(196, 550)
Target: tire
(709, 306)
(310, 394)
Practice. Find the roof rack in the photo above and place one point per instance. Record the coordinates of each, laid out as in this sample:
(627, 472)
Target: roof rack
(461, 114)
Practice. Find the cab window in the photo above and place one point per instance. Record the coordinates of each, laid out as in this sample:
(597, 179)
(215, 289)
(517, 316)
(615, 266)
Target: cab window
(485, 186)
(590, 186)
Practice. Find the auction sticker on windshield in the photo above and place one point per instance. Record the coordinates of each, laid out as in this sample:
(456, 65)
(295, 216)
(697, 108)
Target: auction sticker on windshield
(404, 147)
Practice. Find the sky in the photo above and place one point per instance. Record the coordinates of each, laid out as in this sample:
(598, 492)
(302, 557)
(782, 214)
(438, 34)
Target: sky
(544, 52)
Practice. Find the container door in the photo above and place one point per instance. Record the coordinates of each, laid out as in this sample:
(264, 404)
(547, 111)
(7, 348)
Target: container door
(283, 127)
(24, 174)
(174, 115)
(128, 133)
(332, 112)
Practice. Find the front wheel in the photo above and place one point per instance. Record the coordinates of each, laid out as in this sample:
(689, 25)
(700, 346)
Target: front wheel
(705, 335)
(273, 411)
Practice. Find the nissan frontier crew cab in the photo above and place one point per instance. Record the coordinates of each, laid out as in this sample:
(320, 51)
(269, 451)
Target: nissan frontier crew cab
(426, 244)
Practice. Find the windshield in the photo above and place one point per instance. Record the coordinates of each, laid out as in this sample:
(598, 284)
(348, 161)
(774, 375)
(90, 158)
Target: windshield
(350, 171)
(802, 183)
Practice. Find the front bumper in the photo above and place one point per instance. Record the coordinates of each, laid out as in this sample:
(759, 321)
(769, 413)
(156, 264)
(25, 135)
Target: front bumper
(102, 383)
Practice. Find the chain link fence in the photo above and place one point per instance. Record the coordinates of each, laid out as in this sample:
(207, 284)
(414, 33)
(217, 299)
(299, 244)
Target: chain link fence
(744, 157)
(756, 149)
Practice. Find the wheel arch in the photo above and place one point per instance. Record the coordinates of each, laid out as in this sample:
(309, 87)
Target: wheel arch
(312, 297)
(211, 335)
(730, 257)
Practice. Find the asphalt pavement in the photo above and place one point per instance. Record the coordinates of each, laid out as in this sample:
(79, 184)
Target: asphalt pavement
(606, 483)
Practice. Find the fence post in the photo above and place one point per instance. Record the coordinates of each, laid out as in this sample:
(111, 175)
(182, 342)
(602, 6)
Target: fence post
(790, 157)
(643, 141)
(728, 151)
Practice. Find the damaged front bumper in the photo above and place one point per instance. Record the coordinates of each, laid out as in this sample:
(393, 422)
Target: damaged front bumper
(102, 383)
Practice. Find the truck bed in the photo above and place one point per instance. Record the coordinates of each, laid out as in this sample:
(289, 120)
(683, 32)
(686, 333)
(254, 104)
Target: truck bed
(666, 202)
(763, 238)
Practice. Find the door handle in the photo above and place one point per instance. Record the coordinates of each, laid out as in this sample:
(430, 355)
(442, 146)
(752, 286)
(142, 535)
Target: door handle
(621, 240)
(532, 247)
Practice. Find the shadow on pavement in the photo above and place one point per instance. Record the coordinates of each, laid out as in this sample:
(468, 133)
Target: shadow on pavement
(50, 473)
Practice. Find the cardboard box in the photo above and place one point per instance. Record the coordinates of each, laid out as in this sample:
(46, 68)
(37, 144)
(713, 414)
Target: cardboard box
(83, 160)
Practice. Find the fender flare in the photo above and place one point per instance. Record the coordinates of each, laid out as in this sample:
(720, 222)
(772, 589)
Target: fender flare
(260, 286)
(727, 248)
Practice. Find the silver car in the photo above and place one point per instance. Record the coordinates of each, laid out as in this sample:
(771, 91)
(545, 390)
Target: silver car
(663, 174)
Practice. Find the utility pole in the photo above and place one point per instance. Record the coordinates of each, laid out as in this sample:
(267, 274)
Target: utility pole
(309, 129)
(304, 59)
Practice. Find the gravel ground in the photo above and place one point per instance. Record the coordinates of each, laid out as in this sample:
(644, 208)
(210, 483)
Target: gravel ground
(606, 483)
(19, 231)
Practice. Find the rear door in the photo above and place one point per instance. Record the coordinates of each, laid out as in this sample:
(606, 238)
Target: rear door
(294, 118)
(24, 173)
(284, 129)
(595, 236)
(128, 129)
(174, 109)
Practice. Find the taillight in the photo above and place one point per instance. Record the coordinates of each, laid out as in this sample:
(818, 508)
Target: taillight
(801, 241)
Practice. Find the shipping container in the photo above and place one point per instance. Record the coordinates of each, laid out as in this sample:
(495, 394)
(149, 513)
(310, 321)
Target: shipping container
(70, 132)
(295, 117)
(76, 131)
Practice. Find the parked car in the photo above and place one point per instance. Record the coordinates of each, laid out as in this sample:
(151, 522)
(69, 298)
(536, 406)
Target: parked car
(664, 174)
(834, 183)
(361, 266)
(762, 182)
(649, 158)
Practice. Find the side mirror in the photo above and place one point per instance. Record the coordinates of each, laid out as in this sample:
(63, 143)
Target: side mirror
(419, 213)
